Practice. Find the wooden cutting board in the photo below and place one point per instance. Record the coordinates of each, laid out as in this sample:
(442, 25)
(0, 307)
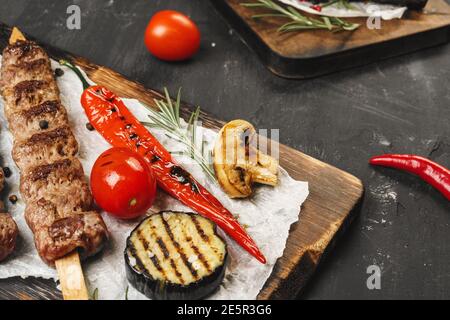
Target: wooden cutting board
(316, 52)
(330, 207)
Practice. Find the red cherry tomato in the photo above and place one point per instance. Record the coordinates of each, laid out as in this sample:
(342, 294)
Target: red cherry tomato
(172, 36)
(122, 183)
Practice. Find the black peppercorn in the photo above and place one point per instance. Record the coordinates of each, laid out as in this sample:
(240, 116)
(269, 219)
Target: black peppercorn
(89, 126)
(43, 124)
(7, 172)
(59, 72)
(13, 198)
(133, 136)
(113, 109)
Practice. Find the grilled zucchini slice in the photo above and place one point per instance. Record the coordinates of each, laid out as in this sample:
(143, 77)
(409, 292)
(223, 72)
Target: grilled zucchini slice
(175, 256)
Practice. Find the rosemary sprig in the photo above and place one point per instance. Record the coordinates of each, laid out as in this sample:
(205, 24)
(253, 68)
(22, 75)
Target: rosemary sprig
(167, 118)
(299, 21)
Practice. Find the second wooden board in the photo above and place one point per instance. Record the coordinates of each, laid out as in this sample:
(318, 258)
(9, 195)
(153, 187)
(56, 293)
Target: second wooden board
(330, 207)
(311, 53)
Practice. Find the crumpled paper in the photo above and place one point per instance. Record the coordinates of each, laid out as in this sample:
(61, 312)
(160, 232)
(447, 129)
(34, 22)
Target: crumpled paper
(359, 9)
(268, 214)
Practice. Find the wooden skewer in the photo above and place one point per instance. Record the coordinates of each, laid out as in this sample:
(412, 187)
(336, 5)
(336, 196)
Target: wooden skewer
(71, 277)
(69, 268)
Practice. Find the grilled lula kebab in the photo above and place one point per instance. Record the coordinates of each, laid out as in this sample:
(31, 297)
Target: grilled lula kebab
(59, 205)
(8, 228)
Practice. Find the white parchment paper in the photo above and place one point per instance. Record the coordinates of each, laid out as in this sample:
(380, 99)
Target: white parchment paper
(359, 9)
(268, 214)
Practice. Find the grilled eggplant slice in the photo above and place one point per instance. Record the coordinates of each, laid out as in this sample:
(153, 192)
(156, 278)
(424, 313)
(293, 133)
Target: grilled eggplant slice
(175, 256)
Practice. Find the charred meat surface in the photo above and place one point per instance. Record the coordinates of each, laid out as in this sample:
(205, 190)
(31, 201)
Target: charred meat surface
(52, 113)
(28, 94)
(57, 196)
(8, 235)
(8, 228)
(23, 51)
(176, 255)
(44, 147)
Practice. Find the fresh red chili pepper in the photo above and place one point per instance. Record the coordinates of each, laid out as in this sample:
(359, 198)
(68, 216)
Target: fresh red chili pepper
(316, 7)
(429, 171)
(111, 118)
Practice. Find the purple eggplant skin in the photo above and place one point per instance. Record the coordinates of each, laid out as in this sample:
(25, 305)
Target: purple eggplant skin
(155, 289)
(411, 4)
(158, 290)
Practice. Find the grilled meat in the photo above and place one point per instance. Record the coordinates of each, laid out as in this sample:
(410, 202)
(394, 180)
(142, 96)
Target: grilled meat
(50, 111)
(8, 228)
(54, 233)
(45, 147)
(57, 196)
(13, 74)
(23, 51)
(8, 235)
(28, 93)
(56, 181)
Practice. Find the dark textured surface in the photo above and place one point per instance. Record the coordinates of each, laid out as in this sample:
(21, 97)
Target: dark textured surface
(398, 105)
(304, 55)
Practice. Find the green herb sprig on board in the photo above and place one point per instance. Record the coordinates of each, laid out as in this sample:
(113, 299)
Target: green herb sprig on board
(299, 21)
(167, 117)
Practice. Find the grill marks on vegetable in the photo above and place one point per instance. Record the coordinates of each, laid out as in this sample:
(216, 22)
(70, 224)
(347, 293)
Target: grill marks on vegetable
(179, 249)
(155, 159)
(153, 258)
(183, 177)
(175, 247)
(166, 254)
(196, 250)
(128, 126)
(199, 229)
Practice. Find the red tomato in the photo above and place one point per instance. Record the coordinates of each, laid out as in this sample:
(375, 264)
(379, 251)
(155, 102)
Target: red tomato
(122, 183)
(172, 36)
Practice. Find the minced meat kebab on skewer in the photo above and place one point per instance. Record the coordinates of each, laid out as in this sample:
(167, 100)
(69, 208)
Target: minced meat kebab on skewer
(53, 185)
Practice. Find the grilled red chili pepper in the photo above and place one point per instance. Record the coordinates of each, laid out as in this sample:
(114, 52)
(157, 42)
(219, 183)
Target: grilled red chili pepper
(111, 118)
(429, 171)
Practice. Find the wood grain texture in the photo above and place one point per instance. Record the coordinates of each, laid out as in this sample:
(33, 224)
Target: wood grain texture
(330, 207)
(316, 52)
(71, 277)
